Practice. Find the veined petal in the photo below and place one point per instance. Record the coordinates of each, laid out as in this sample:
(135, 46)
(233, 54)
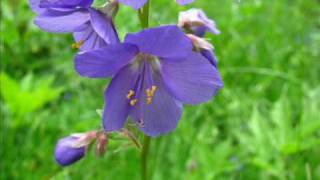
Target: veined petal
(62, 21)
(117, 105)
(191, 81)
(162, 114)
(65, 3)
(89, 39)
(104, 62)
(184, 2)
(136, 4)
(103, 26)
(165, 41)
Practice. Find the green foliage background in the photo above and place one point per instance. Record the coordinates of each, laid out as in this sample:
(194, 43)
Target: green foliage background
(265, 123)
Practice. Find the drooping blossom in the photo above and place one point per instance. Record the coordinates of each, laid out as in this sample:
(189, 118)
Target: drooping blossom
(137, 4)
(72, 148)
(196, 21)
(154, 73)
(206, 49)
(91, 28)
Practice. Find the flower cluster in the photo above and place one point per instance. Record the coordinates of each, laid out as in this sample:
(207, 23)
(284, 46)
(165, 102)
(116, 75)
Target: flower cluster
(154, 72)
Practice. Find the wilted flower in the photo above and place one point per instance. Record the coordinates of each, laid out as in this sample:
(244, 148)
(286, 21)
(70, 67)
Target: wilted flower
(92, 29)
(155, 71)
(196, 21)
(72, 148)
(204, 47)
(136, 4)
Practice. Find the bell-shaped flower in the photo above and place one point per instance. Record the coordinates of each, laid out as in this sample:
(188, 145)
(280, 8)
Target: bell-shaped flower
(92, 29)
(154, 73)
(137, 4)
(73, 148)
(196, 22)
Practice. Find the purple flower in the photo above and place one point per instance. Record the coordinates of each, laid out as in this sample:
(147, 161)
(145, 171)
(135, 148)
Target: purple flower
(72, 148)
(154, 73)
(136, 4)
(210, 56)
(196, 21)
(91, 28)
(204, 48)
(184, 2)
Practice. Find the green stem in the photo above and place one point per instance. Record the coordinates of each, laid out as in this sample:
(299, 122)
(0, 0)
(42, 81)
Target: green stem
(144, 20)
(144, 158)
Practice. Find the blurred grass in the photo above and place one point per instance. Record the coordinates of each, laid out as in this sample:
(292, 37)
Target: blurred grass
(264, 124)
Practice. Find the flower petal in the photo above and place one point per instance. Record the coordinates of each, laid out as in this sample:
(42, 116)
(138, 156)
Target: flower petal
(89, 38)
(117, 106)
(184, 2)
(162, 114)
(191, 81)
(35, 6)
(136, 4)
(104, 62)
(198, 22)
(103, 26)
(65, 3)
(62, 21)
(210, 56)
(165, 41)
(65, 154)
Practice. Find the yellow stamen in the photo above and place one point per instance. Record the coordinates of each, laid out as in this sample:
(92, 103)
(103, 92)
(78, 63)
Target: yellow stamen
(149, 100)
(133, 102)
(150, 93)
(154, 88)
(77, 45)
(130, 94)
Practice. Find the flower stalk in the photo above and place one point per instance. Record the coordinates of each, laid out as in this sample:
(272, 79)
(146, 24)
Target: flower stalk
(144, 157)
(144, 20)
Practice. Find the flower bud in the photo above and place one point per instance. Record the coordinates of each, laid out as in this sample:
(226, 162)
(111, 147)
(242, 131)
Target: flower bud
(200, 43)
(72, 148)
(102, 142)
(196, 21)
(204, 47)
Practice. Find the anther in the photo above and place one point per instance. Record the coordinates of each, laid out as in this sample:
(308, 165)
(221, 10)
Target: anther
(154, 88)
(149, 100)
(150, 93)
(77, 45)
(130, 94)
(133, 102)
